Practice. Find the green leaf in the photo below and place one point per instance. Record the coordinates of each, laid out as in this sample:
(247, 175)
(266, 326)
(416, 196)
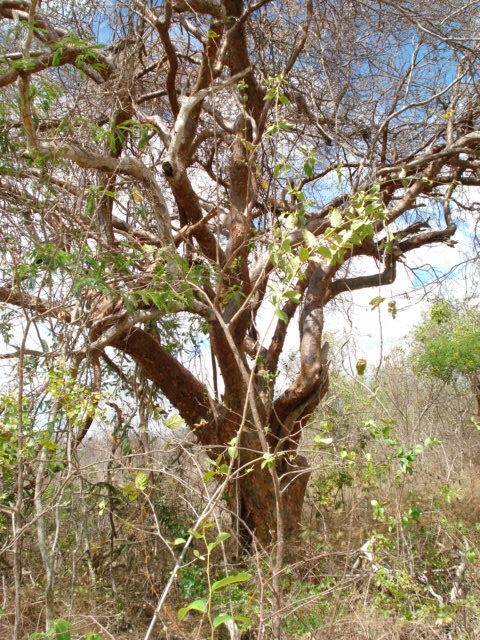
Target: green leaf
(174, 422)
(283, 124)
(271, 129)
(304, 254)
(224, 617)
(92, 635)
(142, 143)
(223, 535)
(209, 475)
(296, 296)
(376, 302)
(157, 299)
(232, 449)
(90, 204)
(143, 293)
(196, 605)
(336, 218)
(195, 534)
(141, 480)
(178, 541)
(361, 366)
(339, 173)
(62, 629)
(325, 252)
(309, 239)
(267, 461)
(128, 125)
(243, 576)
(308, 169)
(282, 315)
(57, 57)
(320, 440)
(131, 304)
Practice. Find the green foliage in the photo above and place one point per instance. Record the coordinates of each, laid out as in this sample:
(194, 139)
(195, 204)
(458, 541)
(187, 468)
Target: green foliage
(417, 543)
(349, 228)
(448, 341)
(77, 401)
(219, 468)
(170, 518)
(207, 603)
(361, 463)
(361, 366)
(63, 630)
(9, 451)
(174, 422)
(306, 619)
(191, 581)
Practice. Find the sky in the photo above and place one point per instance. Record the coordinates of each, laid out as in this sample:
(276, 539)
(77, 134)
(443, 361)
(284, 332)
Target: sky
(362, 332)
(427, 273)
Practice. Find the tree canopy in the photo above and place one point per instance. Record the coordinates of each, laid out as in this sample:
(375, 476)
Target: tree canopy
(448, 343)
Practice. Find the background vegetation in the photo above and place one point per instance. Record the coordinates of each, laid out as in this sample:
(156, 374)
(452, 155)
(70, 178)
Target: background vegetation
(389, 537)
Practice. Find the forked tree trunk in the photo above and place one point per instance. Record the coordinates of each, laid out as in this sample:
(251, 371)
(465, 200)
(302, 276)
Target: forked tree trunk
(283, 419)
(258, 510)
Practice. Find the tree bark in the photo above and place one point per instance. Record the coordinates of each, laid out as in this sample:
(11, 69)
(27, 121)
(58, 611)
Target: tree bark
(215, 425)
(476, 390)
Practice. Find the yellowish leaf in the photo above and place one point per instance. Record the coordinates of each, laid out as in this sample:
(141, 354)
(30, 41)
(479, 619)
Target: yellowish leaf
(137, 196)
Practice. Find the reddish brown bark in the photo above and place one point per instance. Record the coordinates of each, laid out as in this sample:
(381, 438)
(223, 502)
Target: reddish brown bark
(257, 497)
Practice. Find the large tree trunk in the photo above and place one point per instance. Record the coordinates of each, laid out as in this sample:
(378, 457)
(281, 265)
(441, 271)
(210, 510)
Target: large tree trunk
(272, 427)
(256, 500)
(258, 509)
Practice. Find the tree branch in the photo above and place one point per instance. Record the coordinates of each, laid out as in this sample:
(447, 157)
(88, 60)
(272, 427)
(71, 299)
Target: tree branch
(182, 389)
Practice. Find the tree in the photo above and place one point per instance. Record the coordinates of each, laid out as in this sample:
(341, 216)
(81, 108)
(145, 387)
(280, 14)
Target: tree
(448, 344)
(176, 170)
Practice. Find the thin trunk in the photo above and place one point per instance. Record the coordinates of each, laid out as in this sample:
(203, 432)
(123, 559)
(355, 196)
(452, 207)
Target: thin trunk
(17, 573)
(42, 542)
(17, 514)
(47, 555)
(83, 536)
(111, 505)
